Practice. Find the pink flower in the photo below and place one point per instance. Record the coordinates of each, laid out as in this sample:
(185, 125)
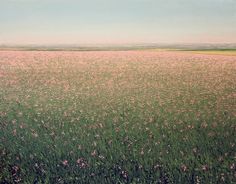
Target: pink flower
(14, 132)
(82, 163)
(65, 162)
(204, 167)
(183, 167)
(94, 153)
(232, 166)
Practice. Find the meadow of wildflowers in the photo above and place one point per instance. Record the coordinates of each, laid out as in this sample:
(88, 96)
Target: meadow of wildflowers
(117, 117)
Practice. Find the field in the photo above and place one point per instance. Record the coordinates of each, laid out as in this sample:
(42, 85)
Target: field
(117, 117)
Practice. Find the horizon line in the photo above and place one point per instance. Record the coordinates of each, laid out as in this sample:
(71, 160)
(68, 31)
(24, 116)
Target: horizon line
(116, 44)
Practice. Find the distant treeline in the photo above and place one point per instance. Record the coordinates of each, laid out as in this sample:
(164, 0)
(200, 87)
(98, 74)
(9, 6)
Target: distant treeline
(185, 47)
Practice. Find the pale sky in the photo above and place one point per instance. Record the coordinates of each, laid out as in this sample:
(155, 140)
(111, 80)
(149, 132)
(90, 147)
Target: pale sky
(117, 21)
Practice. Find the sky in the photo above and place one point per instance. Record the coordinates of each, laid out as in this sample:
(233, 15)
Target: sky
(117, 21)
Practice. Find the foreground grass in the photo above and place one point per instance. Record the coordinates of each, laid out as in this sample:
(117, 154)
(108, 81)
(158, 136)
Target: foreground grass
(117, 117)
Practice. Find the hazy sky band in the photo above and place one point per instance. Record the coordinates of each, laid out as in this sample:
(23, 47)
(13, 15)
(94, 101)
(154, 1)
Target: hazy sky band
(117, 21)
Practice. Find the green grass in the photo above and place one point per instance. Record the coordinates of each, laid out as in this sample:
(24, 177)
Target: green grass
(227, 52)
(116, 117)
